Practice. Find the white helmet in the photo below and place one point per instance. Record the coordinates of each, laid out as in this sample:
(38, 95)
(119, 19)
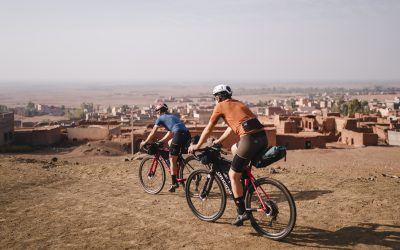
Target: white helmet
(222, 89)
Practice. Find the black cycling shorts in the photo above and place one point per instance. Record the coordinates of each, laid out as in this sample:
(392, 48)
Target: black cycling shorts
(248, 147)
(179, 142)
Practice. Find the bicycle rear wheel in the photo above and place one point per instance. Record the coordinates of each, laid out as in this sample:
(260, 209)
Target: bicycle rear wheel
(151, 175)
(205, 195)
(278, 219)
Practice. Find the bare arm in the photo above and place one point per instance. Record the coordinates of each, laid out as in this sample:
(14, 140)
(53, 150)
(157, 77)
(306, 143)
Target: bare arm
(151, 135)
(225, 135)
(204, 135)
(167, 136)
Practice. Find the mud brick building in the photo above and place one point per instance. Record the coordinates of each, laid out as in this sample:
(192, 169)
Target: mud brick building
(359, 137)
(6, 128)
(306, 140)
(275, 111)
(93, 132)
(326, 125)
(351, 134)
(309, 123)
(41, 136)
(286, 127)
(287, 124)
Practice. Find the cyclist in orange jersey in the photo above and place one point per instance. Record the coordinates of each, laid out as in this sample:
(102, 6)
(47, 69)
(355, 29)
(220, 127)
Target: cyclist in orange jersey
(253, 139)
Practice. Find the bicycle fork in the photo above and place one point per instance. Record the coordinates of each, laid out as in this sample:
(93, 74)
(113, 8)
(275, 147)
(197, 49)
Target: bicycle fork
(207, 186)
(153, 168)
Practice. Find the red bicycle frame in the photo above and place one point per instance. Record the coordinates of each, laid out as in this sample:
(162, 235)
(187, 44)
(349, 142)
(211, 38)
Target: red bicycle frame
(154, 166)
(250, 179)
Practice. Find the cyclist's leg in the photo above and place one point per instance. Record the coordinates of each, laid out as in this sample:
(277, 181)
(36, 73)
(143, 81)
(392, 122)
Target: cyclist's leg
(246, 150)
(235, 174)
(234, 148)
(174, 151)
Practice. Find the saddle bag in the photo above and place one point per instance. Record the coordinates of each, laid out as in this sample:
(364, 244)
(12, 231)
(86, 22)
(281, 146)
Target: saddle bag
(268, 156)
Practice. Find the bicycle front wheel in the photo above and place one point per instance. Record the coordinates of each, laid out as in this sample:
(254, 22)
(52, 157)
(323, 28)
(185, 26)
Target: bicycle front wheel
(190, 164)
(205, 195)
(151, 175)
(273, 211)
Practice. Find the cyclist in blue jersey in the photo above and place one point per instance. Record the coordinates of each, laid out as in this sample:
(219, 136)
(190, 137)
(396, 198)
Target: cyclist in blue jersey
(177, 131)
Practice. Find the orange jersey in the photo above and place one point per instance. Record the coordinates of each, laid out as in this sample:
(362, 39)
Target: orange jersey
(234, 113)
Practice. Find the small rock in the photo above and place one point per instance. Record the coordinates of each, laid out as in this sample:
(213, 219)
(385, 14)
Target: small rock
(126, 159)
(76, 163)
(54, 159)
(88, 144)
(273, 171)
(49, 165)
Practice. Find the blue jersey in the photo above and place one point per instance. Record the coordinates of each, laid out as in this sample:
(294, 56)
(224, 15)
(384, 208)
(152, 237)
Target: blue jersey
(171, 123)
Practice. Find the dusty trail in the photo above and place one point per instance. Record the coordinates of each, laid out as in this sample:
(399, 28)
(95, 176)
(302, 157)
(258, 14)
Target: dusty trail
(343, 201)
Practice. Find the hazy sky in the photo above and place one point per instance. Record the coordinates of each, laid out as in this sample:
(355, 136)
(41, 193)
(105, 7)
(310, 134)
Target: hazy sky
(194, 41)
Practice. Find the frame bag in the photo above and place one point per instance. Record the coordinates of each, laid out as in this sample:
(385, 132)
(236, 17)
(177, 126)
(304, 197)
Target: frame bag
(269, 156)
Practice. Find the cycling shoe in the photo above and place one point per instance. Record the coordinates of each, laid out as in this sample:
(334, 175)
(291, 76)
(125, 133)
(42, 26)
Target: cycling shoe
(173, 187)
(240, 218)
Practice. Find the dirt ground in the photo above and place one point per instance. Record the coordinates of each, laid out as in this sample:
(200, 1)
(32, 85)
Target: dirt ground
(345, 198)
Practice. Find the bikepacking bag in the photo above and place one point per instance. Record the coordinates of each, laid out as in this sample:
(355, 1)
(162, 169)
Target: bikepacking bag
(150, 149)
(269, 156)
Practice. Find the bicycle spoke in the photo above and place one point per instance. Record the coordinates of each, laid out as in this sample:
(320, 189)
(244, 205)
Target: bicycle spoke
(274, 214)
(152, 175)
(205, 205)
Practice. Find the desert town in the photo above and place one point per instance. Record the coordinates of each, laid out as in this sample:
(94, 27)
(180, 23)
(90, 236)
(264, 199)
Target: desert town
(296, 123)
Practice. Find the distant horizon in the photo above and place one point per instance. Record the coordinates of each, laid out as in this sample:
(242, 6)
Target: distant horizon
(237, 84)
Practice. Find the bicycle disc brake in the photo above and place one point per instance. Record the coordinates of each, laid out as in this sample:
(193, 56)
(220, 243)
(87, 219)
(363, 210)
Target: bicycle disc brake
(272, 211)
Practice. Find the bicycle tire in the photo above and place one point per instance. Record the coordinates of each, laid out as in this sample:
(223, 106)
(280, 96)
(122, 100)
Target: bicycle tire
(276, 207)
(191, 164)
(195, 201)
(144, 168)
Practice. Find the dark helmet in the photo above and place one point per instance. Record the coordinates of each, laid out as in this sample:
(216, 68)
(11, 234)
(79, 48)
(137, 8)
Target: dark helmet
(162, 107)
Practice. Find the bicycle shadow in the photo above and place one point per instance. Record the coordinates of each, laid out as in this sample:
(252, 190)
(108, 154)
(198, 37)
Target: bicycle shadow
(309, 195)
(370, 234)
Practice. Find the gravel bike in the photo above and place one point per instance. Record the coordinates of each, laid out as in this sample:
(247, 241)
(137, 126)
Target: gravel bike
(152, 167)
(269, 203)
